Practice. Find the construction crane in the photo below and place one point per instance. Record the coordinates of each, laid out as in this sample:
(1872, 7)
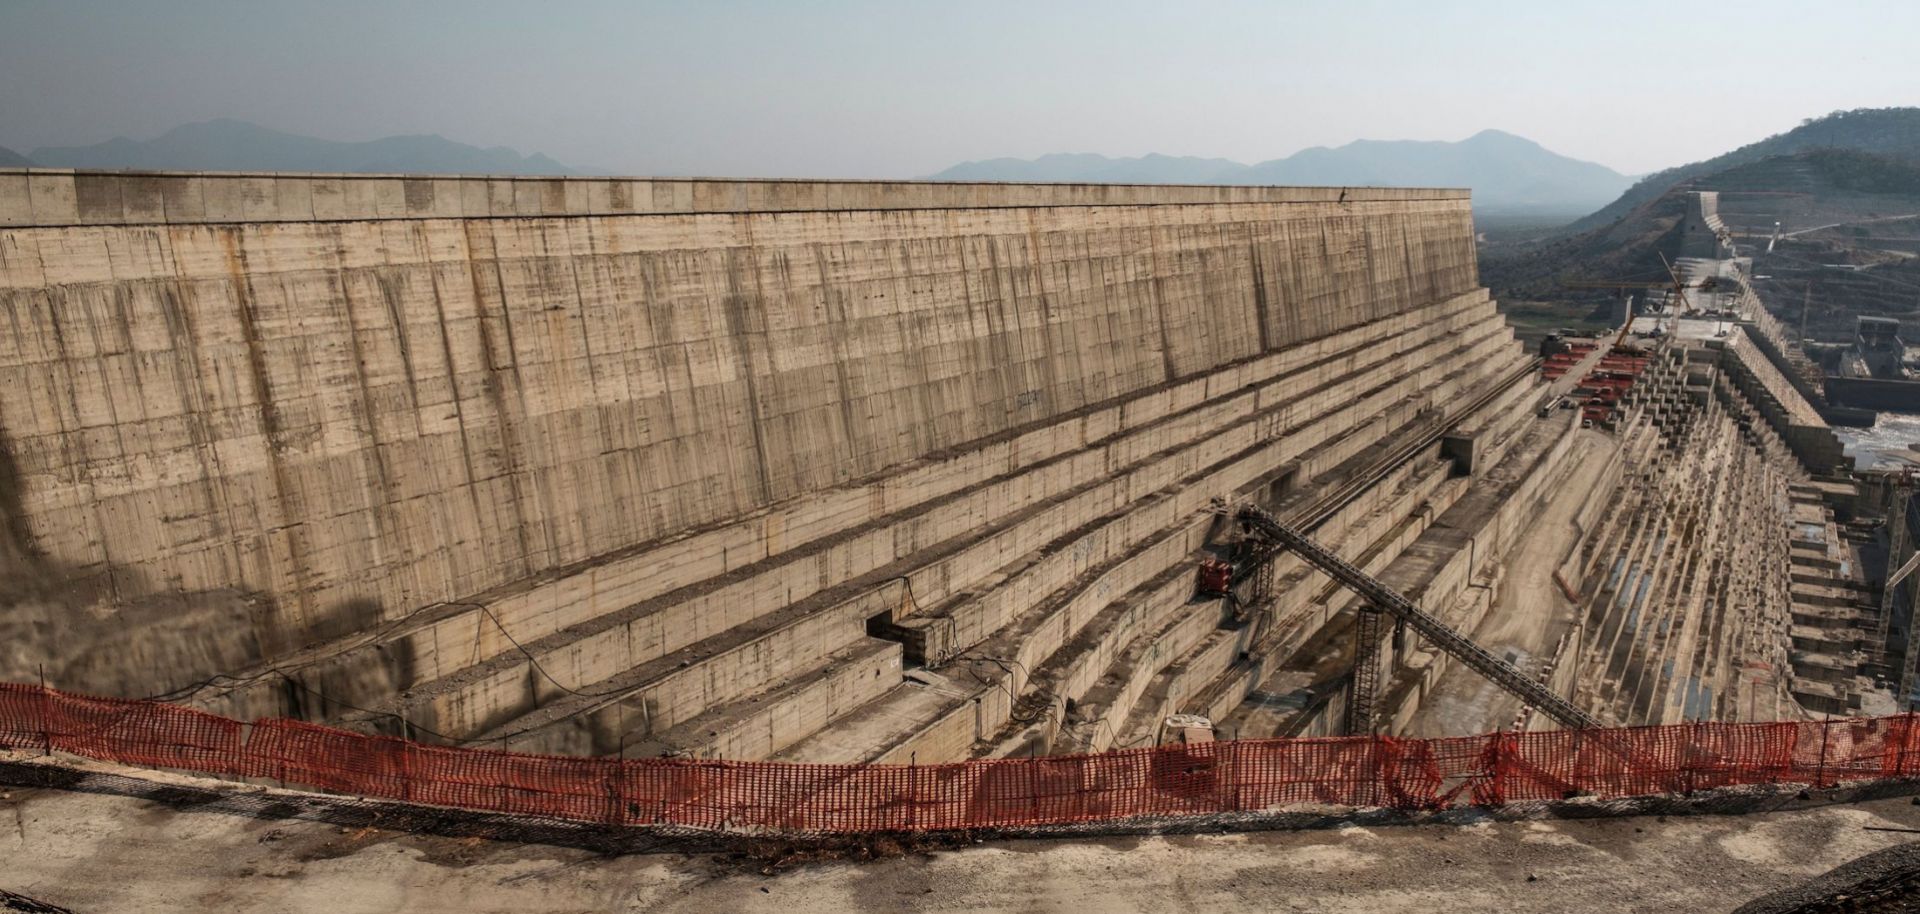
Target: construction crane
(1680, 286)
(1674, 286)
(1382, 599)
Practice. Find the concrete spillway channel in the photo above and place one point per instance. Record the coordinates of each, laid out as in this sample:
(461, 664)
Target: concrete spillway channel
(818, 471)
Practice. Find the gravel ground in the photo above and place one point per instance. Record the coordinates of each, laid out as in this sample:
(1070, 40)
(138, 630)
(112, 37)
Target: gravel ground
(1884, 882)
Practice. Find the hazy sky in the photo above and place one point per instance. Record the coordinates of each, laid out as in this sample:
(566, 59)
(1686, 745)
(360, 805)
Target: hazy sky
(901, 88)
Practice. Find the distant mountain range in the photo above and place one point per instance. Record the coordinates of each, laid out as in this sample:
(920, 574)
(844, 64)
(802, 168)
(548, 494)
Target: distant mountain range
(1891, 132)
(1075, 167)
(1506, 172)
(11, 159)
(230, 145)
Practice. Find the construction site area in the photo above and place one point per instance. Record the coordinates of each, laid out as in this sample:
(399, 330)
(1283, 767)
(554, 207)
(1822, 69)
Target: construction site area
(882, 508)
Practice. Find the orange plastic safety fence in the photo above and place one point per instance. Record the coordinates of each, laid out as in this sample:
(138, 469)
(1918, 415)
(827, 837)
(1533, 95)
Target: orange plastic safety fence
(143, 733)
(1174, 781)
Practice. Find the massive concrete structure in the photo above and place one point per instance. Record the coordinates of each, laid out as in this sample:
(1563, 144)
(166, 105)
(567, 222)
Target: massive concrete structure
(825, 471)
(367, 426)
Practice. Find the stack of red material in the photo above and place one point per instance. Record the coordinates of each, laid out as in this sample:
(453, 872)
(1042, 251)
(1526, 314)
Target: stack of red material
(1557, 365)
(1600, 391)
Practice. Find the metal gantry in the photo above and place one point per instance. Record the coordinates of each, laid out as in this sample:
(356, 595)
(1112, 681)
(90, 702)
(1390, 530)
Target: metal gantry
(1442, 635)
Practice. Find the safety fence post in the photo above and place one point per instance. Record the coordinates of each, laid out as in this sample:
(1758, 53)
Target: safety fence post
(1689, 751)
(1496, 786)
(1233, 771)
(616, 807)
(1820, 775)
(406, 771)
(1902, 725)
(1033, 790)
(46, 714)
(1377, 767)
(913, 791)
(1575, 769)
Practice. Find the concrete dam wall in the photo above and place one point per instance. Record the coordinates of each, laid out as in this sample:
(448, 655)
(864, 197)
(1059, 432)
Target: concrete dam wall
(436, 446)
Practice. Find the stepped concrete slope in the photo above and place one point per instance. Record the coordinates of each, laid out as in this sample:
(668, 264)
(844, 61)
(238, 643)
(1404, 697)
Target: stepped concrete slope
(829, 471)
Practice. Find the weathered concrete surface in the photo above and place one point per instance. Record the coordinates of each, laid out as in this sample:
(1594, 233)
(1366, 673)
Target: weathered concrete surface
(1531, 612)
(282, 410)
(101, 852)
(64, 196)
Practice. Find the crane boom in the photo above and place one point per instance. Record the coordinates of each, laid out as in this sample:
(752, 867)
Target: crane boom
(1459, 646)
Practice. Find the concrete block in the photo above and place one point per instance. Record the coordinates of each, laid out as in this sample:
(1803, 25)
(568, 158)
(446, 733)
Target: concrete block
(53, 198)
(329, 199)
(222, 199)
(419, 196)
(527, 198)
(503, 197)
(389, 197)
(144, 200)
(475, 201)
(574, 195)
(598, 197)
(16, 204)
(97, 199)
(259, 199)
(293, 199)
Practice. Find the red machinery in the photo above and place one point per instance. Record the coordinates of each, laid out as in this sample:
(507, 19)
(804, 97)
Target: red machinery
(1216, 578)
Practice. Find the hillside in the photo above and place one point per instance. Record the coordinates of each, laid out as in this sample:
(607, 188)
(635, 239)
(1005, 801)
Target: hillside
(1893, 132)
(229, 145)
(11, 159)
(1505, 172)
(1803, 191)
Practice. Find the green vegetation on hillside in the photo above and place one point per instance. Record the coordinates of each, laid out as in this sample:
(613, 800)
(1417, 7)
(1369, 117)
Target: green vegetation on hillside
(1893, 132)
(1866, 174)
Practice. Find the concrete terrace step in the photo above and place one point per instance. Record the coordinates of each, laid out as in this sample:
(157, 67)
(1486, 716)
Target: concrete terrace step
(411, 652)
(967, 618)
(1299, 656)
(1072, 670)
(1174, 686)
(1028, 645)
(569, 711)
(762, 724)
(1024, 638)
(994, 681)
(483, 695)
(999, 686)
(1373, 540)
(1375, 526)
(871, 732)
(1093, 725)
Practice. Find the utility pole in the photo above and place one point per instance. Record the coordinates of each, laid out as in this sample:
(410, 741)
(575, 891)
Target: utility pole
(1805, 302)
